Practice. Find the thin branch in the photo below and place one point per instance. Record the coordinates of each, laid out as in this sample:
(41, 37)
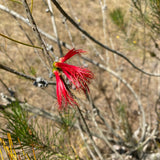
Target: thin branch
(17, 16)
(69, 33)
(35, 50)
(35, 29)
(20, 42)
(84, 139)
(25, 20)
(55, 28)
(128, 86)
(97, 42)
(11, 92)
(32, 109)
(111, 130)
(41, 112)
(141, 145)
(101, 133)
(103, 9)
(89, 133)
(21, 74)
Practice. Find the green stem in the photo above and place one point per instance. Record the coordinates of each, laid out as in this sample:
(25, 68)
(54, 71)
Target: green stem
(20, 42)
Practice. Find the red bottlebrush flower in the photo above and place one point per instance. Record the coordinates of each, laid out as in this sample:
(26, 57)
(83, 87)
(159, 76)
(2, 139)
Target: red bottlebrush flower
(64, 96)
(80, 77)
(71, 53)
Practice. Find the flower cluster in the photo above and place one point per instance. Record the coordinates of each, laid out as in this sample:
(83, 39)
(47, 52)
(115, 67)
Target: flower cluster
(78, 76)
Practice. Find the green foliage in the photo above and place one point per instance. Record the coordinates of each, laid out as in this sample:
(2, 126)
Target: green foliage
(67, 117)
(155, 19)
(126, 127)
(24, 134)
(155, 4)
(17, 124)
(151, 15)
(20, 130)
(16, 1)
(33, 71)
(117, 17)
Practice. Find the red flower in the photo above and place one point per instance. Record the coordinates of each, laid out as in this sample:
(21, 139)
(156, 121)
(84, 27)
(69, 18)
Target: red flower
(64, 96)
(80, 77)
(71, 53)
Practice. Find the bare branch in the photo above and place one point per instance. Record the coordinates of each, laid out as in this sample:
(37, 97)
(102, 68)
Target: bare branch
(97, 42)
(21, 74)
(89, 134)
(84, 139)
(55, 28)
(128, 86)
(18, 16)
(35, 29)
